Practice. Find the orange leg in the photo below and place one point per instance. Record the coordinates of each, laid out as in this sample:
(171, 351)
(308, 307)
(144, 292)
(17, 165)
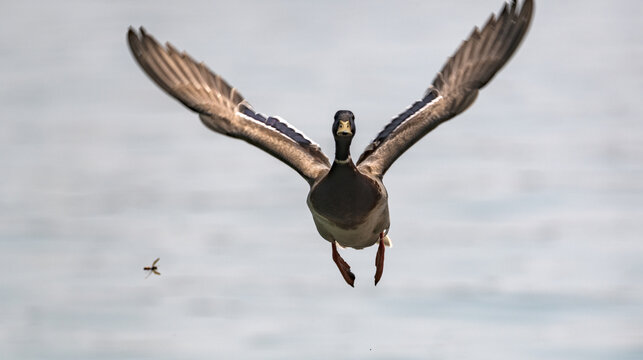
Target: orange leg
(343, 267)
(379, 259)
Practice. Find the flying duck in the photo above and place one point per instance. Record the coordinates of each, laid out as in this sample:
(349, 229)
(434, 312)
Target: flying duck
(348, 200)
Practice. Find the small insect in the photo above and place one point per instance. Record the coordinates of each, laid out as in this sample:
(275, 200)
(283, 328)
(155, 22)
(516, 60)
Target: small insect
(153, 268)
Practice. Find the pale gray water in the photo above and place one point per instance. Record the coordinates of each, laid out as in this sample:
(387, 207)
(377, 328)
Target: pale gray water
(517, 226)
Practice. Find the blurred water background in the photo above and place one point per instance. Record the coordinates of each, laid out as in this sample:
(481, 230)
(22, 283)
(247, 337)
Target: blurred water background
(517, 226)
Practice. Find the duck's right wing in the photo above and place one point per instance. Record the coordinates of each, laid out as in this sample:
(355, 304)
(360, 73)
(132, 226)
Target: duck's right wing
(223, 109)
(454, 88)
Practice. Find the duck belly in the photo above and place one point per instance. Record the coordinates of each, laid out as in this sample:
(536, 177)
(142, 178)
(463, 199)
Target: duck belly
(357, 235)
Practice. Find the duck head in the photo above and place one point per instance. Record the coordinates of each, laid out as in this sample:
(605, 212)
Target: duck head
(343, 132)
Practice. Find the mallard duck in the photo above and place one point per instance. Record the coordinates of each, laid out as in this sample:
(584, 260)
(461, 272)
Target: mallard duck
(348, 200)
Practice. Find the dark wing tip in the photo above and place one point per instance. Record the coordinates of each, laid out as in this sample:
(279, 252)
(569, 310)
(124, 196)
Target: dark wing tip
(135, 40)
(132, 36)
(487, 49)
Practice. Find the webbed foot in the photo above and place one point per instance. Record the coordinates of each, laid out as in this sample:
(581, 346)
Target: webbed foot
(379, 258)
(343, 267)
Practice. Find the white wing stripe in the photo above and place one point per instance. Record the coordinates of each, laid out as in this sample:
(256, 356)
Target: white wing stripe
(277, 124)
(417, 107)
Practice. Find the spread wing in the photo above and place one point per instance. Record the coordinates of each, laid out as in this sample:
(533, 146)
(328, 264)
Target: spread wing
(222, 108)
(454, 88)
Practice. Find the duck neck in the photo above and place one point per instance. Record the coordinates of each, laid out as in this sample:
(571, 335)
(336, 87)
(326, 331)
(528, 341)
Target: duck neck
(342, 150)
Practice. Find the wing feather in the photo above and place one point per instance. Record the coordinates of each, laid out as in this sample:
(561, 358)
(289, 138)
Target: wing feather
(222, 108)
(454, 88)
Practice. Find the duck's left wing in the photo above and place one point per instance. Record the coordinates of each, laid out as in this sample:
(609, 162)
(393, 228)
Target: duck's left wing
(454, 88)
(222, 108)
